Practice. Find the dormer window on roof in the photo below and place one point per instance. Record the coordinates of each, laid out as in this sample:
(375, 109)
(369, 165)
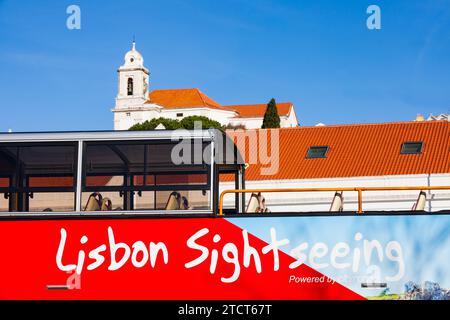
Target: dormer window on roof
(317, 152)
(412, 147)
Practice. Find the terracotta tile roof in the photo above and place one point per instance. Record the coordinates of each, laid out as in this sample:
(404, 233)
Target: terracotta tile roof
(360, 150)
(182, 98)
(194, 98)
(258, 110)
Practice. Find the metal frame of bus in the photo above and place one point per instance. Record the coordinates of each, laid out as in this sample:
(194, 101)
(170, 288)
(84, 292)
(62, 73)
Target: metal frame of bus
(215, 169)
(152, 137)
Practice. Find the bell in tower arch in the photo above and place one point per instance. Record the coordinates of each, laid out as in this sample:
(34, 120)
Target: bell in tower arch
(130, 87)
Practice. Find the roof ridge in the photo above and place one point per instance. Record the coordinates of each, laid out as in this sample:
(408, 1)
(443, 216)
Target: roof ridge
(200, 94)
(255, 104)
(175, 89)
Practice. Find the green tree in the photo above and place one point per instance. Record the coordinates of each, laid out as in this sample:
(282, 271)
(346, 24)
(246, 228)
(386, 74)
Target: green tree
(271, 117)
(171, 124)
(207, 123)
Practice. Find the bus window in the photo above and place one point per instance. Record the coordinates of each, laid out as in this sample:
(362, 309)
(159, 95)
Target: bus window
(4, 203)
(108, 169)
(141, 175)
(90, 202)
(182, 179)
(8, 168)
(103, 181)
(184, 154)
(4, 183)
(144, 200)
(41, 176)
(4, 195)
(185, 200)
(51, 201)
(228, 181)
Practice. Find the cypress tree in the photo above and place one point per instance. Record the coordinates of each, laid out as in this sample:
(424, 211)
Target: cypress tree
(271, 117)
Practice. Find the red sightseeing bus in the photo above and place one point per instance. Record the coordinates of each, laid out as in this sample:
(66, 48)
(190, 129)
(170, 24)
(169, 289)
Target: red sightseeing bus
(139, 215)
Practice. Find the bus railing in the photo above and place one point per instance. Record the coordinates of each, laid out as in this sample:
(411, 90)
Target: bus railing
(359, 190)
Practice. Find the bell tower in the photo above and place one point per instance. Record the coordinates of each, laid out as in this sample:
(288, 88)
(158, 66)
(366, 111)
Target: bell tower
(133, 80)
(132, 89)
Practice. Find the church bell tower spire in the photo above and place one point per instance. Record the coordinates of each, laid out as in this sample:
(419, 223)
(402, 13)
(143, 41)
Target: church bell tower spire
(133, 84)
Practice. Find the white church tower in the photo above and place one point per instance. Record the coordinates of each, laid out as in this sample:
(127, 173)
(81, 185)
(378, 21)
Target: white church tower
(132, 91)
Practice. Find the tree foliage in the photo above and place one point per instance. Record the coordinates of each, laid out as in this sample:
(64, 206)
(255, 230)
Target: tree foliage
(207, 123)
(171, 124)
(271, 117)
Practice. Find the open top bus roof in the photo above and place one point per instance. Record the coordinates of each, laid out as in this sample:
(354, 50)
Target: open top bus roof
(208, 134)
(222, 141)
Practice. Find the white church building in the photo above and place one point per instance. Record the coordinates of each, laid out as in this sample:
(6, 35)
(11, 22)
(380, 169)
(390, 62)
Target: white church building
(136, 104)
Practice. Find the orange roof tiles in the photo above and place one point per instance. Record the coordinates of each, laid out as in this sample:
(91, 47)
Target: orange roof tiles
(194, 98)
(182, 98)
(359, 150)
(258, 110)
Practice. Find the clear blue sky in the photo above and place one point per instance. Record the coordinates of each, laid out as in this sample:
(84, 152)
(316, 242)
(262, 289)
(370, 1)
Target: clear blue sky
(317, 54)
